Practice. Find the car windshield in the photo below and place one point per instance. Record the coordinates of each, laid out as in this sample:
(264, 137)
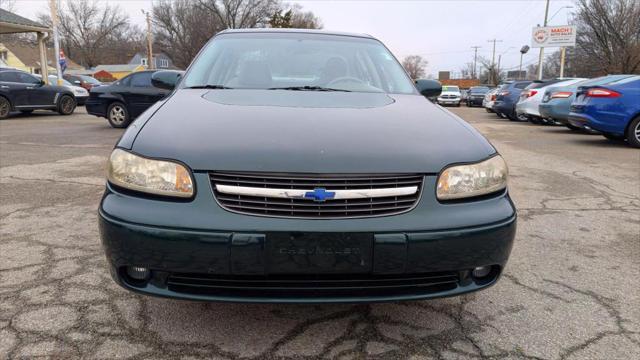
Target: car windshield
(479, 90)
(450, 88)
(89, 79)
(298, 61)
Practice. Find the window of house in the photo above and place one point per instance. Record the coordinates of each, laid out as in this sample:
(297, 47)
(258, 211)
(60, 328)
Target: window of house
(4, 54)
(143, 61)
(163, 63)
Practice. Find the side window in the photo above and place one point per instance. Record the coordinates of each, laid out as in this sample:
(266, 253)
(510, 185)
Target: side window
(522, 85)
(8, 76)
(27, 79)
(125, 81)
(141, 80)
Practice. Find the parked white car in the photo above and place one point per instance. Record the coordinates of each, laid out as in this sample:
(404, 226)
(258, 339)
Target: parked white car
(80, 93)
(532, 95)
(489, 99)
(450, 95)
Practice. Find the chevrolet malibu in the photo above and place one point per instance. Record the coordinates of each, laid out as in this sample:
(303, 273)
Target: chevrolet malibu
(303, 166)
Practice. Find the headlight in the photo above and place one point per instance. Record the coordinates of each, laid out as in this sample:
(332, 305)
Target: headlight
(151, 176)
(465, 181)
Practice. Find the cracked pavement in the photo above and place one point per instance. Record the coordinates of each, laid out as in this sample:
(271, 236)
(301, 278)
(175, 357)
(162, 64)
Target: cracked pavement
(571, 289)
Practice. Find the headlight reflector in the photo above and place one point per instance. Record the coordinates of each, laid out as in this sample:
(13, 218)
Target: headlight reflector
(157, 177)
(463, 181)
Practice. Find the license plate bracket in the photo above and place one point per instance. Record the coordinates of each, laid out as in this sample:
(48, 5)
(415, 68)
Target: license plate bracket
(319, 253)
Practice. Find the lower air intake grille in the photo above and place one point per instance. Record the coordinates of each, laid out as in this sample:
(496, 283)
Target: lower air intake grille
(305, 196)
(285, 286)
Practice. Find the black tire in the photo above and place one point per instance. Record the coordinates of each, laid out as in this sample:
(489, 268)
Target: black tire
(5, 107)
(535, 120)
(571, 127)
(118, 115)
(633, 132)
(66, 105)
(26, 112)
(512, 116)
(488, 110)
(613, 137)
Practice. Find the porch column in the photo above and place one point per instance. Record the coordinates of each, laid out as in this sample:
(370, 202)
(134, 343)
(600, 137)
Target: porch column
(42, 46)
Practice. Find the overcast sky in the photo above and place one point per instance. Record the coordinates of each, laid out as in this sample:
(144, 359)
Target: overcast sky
(441, 31)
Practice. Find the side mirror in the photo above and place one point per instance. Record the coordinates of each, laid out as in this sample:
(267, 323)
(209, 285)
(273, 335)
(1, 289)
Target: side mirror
(429, 88)
(166, 79)
(41, 83)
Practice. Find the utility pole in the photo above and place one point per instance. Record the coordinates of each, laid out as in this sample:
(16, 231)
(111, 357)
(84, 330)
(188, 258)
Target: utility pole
(475, 59)
(541, 58)
(53, 6)
(150, 62)
(493, 61)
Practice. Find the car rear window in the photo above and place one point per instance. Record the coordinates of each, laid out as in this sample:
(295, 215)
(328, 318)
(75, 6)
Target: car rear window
(626, 80)
(521, 85)
(141, 80)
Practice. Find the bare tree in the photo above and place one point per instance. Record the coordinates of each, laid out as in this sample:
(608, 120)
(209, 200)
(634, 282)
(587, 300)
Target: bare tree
(415, 66)
(467, 71)
(608, 37)
(301, 19)
(295, 18)
(9, 5)
(234, 14)
(92, 34)
(491, 72)
(182, 27)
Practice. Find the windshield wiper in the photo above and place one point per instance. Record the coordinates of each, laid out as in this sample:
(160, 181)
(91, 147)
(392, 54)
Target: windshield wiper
(307, 88)
(209, 86)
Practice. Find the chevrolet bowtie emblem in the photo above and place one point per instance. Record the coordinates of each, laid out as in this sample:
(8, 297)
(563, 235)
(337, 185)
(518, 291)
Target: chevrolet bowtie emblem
(319, 195)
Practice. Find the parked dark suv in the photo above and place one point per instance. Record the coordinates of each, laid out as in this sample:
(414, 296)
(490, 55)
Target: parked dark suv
(507, 98)
(125, 99)
(21, 91)
(476, 95)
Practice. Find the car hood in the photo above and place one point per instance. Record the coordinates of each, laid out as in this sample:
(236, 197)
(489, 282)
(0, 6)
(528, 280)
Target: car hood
(305, 131)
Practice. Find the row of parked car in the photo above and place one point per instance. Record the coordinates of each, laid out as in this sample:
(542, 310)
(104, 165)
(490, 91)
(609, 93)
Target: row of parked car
(609, 105)
(23, 92)
(119, 102)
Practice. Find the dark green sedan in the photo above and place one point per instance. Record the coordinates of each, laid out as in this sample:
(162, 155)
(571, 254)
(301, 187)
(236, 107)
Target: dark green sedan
(303, 166)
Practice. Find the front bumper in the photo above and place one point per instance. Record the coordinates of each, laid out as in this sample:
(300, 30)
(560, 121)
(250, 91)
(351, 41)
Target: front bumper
(222, 256)
(449, 101)
(475, 101)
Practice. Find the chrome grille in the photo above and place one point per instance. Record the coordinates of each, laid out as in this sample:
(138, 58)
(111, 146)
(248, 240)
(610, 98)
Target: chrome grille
(307, 208)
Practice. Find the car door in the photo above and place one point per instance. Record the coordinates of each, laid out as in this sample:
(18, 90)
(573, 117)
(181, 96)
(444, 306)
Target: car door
(17, 90)
(142, 94)
(39, 95)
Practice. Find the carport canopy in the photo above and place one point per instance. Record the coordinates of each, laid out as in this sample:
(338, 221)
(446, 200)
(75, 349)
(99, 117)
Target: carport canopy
(11, 23)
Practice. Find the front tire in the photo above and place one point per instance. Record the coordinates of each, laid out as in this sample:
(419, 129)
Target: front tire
(633, 133)
(118, 115)
(574, 128)
(5, 107)
(66, 105)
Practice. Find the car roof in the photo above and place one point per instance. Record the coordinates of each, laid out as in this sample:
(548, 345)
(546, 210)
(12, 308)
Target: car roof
(293, 31)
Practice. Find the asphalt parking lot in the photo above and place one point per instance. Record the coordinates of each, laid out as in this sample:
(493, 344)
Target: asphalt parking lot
(571, 289)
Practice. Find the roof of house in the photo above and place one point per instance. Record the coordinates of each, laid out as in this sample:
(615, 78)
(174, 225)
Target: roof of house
(10, 22)
(30, 55)
(117, 67)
